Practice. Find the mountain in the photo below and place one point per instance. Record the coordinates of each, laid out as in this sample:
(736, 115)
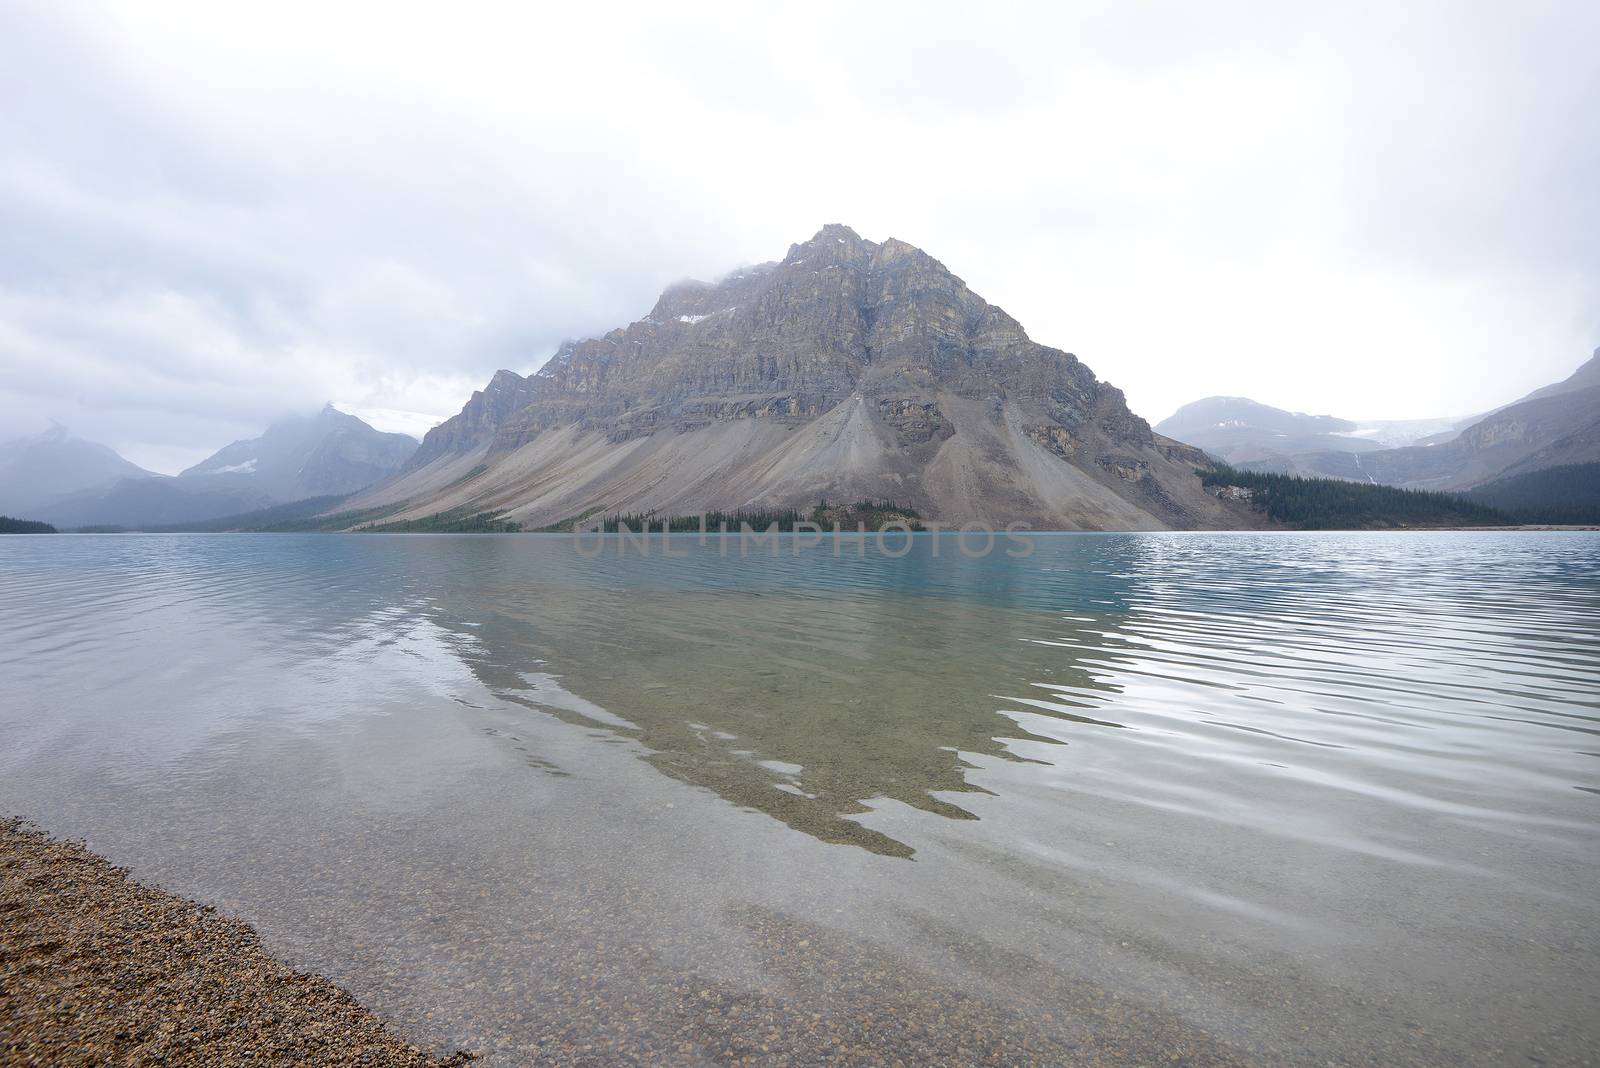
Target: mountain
(1554, 426)
(849, 370)
(35, 469)
(1244, 432)
(1558, 425)
(1585, 377)
(305, 456)
(141, 504)
(323, 455)
(485, 412)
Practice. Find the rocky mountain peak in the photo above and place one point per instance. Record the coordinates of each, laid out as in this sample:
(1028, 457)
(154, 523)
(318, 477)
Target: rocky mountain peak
(850, 369)
(894, 250)
(834, 243)
(306, 456)
(484, 413)
(838, 316)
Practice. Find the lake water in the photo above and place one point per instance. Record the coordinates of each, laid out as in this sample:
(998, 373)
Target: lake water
(1204, 799)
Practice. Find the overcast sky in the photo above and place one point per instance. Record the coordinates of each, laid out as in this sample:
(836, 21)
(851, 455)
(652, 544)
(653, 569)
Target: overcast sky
(211, 215)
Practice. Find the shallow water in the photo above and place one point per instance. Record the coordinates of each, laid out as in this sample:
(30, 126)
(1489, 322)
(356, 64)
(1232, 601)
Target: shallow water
(1218, 798)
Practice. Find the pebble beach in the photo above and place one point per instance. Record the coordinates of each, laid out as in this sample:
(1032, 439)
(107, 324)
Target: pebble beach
(96, 968)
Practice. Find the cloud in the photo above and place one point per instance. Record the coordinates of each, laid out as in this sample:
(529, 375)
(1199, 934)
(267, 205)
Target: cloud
(217, 215)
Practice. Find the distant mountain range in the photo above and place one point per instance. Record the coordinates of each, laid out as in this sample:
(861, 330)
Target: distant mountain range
(849, 370)
(308, 456)
(73, 483)
(36, 470)
(1557, 425)
(1246, 433)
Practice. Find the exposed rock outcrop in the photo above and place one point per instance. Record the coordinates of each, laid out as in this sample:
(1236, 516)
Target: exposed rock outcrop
(848, 370)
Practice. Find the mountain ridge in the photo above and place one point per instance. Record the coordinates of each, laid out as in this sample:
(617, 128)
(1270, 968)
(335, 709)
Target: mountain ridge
(850, 369)
(328, 454)
(1239, 430)
(297, 457)
(1555, 425)
(37, 468)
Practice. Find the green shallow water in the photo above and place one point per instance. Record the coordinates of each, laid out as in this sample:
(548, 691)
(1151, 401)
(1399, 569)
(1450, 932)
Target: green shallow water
(1229, 798)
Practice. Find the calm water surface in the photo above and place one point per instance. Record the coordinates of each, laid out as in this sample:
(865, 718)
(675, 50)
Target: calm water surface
(1208, 799)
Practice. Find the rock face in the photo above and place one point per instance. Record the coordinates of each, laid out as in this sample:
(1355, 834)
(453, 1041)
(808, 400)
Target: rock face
(848, 370)
(490, 408)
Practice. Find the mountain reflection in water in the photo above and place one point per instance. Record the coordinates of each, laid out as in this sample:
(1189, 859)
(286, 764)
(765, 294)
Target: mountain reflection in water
(1242, 798)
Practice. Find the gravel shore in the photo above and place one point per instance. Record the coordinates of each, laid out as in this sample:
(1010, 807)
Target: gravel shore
(96, 968)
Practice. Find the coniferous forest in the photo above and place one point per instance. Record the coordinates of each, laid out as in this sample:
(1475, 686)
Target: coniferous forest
(1332, 504)
(9, 525)
(1569, 493)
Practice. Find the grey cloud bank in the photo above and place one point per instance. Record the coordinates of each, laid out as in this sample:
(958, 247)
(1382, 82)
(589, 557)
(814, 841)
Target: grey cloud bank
(215, 216)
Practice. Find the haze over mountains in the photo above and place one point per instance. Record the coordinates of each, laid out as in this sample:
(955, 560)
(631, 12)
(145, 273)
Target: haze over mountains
(1555, 426)
(307, 456)
(848, 370)
(70, 482)
(36, 470)
(1244, 432)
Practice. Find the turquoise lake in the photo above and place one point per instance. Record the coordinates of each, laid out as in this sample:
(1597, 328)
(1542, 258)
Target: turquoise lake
(1191, 798)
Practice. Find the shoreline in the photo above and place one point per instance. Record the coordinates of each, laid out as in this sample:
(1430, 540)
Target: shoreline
(945, 533)
(97, 968)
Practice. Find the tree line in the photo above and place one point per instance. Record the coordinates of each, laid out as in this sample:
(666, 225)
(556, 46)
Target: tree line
(1333, 504)
(8, 525)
